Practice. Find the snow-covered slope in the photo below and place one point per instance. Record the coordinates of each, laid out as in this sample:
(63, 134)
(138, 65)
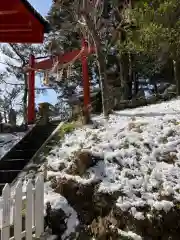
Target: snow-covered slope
(140, 158)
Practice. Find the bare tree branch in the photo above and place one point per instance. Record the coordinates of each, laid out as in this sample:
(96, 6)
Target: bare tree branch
(18, 53)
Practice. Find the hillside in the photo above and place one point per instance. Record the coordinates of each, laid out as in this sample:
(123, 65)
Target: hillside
(119, 179)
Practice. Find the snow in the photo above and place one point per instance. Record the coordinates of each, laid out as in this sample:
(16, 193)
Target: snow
(129, 235)
(140, 152)
(59, 202)
(52, 237)
(7, 141)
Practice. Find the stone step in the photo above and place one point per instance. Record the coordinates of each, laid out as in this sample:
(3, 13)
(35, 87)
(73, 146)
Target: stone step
(14, 164)
(7, 176)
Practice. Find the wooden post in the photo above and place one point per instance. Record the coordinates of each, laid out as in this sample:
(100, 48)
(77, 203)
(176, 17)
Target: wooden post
(31, 91)
(23, 210)
(86, 84)
(5, 228)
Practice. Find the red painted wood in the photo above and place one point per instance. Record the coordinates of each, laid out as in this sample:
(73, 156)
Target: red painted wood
(18, 24)
(16, 17)
(31, 92)
(86, 84)
(9, 5)
(4, 38)
(64, 58)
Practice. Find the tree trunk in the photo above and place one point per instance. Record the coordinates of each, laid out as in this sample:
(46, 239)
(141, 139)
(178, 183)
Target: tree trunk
(176, 64)
(125, 85)
(130, 79)
(155, 88)
(136, 83)
(103, 82)
(5, 117)
(101, 64)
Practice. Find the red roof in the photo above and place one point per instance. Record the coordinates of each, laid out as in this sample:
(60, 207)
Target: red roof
(21, 23)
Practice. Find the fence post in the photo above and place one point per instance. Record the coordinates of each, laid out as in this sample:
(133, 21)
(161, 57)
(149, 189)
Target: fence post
(18, 211)
(29, 210)
(5, 229)
(39, 205)
(34, 210)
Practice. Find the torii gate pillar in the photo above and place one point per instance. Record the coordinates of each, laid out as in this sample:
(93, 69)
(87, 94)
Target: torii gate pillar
(31, 91)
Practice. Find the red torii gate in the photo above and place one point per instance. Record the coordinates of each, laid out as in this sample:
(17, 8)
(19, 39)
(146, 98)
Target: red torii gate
(21, 23)
(48, 64)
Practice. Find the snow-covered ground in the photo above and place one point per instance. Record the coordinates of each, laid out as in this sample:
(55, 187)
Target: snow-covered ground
(8, 140)
(140, 152)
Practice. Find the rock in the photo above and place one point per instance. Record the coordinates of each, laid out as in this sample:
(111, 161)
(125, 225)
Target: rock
(82, 233)
(47, 235)
(53, 182)
(102, 230)
(61, 166)
(79, 196)
(152, 100)
(82, 161)
(169, 158)
(160, 224)
(86, 200)
(170, 90)
(103, 202)
(55, 219)
(58, 222)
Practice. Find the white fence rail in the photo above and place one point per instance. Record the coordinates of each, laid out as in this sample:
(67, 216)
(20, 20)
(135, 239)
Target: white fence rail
(23, 211)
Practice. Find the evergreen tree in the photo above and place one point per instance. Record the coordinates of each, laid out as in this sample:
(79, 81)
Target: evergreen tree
(156, 35)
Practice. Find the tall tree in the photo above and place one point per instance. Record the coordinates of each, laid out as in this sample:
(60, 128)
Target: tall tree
(87, 16)
(158, 32)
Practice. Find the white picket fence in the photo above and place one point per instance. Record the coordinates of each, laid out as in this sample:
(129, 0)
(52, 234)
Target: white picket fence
(28, 205)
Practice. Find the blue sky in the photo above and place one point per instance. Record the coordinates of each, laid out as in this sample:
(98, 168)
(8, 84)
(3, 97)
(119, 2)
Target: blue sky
(43, 6)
